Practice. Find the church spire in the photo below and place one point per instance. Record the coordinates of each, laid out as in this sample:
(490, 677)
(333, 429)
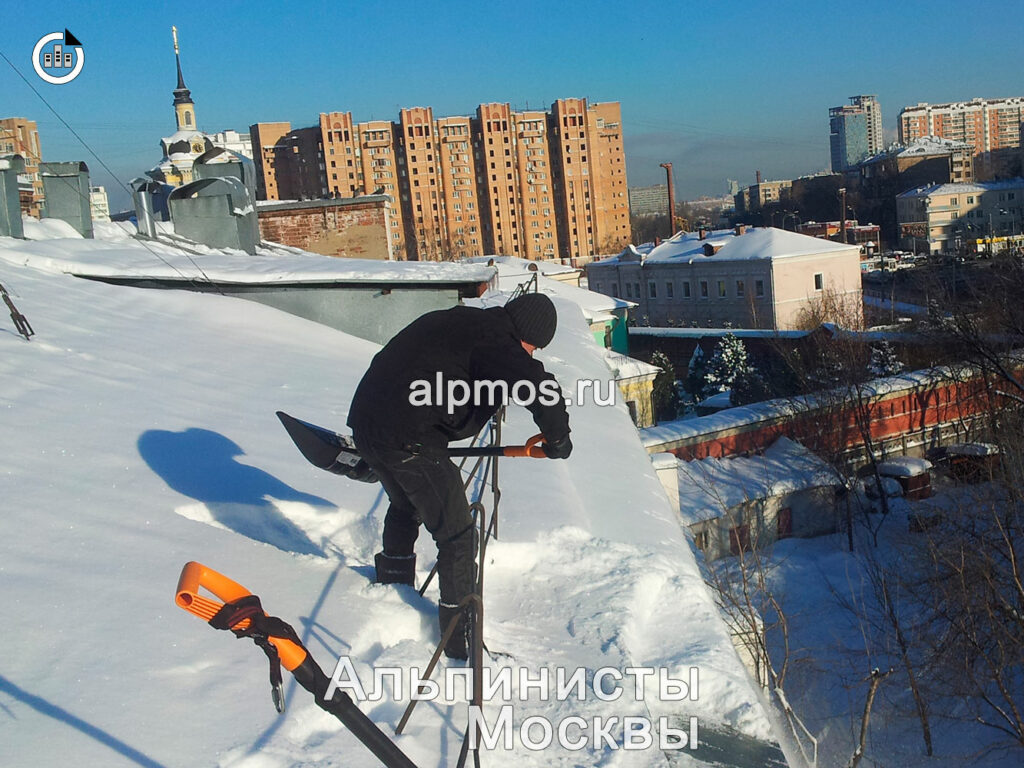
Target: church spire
(182, 94)
(184, 107)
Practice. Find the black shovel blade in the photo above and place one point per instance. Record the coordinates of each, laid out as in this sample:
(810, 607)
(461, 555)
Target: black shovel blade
(326, 449)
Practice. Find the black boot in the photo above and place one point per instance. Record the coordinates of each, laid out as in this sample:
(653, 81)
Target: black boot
(458, 644)
(395, 570)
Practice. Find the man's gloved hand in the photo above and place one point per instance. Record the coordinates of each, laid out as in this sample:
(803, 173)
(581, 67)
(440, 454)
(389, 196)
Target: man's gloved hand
(559, 449)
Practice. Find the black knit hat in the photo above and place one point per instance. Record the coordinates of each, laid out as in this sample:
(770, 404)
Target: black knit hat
(535, 319)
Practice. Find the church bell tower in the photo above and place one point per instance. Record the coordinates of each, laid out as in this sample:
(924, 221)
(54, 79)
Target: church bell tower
(184, 107)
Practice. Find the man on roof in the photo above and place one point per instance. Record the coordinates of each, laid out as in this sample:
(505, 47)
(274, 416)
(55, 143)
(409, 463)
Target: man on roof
(403, 429)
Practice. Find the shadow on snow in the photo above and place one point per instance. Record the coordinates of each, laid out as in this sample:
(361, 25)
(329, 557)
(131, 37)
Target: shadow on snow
(202, 464)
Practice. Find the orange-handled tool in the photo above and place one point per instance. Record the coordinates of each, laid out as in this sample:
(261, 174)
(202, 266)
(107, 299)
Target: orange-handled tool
(196, 576)
(533, 449)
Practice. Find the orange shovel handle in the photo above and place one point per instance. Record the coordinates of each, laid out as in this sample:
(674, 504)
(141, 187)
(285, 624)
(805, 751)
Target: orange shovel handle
(196, 576)
(533, 448)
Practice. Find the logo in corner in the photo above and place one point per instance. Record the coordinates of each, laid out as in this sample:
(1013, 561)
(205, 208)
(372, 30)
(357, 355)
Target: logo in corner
(58, 57)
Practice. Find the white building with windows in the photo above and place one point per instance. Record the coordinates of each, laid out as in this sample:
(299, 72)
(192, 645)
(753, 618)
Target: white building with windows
(98, 204)
(986, 216)
(233, 140)
(741, 278)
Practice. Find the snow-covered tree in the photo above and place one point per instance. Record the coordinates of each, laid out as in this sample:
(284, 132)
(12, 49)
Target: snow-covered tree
(749, 387)
(884, 361)
(728, 362)
(694, 384)
(664, 395)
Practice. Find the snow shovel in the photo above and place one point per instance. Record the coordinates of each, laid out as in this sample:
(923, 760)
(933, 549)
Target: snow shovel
(238, 610)
(333, 452)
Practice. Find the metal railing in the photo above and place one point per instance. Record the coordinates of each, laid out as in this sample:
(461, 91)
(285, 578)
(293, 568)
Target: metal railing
(483, 473)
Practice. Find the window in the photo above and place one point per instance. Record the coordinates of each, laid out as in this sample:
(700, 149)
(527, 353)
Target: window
(703, 289)
(670, 290)
(759, 287)
(739, 288)
(686, 289)
(721, 289)
(819, 281)
(652, 289)
(636, 286)
(629, 290)
(700, 540)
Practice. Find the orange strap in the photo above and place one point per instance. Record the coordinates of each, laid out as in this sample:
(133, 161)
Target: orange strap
(196, 576)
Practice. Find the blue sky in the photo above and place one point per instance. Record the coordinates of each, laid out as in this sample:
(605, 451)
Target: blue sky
(718, 89)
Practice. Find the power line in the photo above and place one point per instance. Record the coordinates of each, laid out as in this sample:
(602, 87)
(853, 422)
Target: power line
(114, 176)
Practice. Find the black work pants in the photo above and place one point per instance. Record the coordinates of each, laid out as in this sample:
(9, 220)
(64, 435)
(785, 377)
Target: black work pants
(426, 488)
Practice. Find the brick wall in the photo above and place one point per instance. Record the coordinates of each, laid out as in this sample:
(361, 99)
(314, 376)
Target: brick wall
(332, 227)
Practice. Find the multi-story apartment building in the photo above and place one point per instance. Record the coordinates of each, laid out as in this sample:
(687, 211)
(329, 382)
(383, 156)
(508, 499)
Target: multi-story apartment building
(848, 137)
(538, 222)
(289, 163)
(525, 183)
(608, 175)
(265, 138)
(460, 210)
(741, 278)
(873, 111)
(233, 141)
(986, 124)
(650, 201)
(855, 131)
(20, 136)
(498, 170)
(362, 159)
(952, 218)
(753, 198)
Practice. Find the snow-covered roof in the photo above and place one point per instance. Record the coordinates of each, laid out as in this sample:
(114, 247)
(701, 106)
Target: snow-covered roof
(964, 187)
(754, 244)
(922, 146)
(544, 266)
(54, 248)
(904, 466)
(719, 401)
(972, 449)
(709, 487)
(625, 367)
(514, 272)
(146, 437)
(183, 136)
(699, 333)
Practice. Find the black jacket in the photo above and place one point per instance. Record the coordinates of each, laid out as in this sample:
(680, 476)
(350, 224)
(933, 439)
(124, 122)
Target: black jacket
(462, 344)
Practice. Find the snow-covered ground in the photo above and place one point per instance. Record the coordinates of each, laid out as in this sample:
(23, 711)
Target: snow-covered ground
(140, 434)
(833, 650)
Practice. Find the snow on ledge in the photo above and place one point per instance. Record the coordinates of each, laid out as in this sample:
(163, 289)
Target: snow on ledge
(53, 246)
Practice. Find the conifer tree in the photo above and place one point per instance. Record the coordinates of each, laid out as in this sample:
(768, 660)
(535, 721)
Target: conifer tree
(884, 361)
(728, 362)
(664, 395)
